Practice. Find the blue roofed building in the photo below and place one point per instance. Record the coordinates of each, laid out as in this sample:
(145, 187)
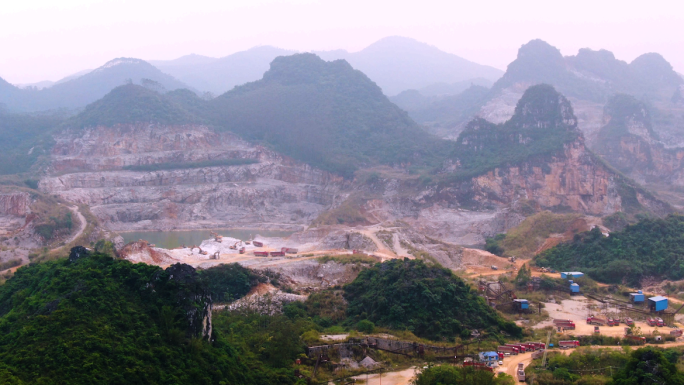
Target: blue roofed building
(657, 303)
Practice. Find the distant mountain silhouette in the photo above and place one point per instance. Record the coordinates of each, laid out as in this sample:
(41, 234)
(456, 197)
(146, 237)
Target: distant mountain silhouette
(78, 91)
(398, 63)
(220, 75)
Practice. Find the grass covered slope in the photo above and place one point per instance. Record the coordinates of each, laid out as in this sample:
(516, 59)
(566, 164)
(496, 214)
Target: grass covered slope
(649, 248)
(428, 300)
(93, 319)
(24, 138)
(542, 123)
(326, 114)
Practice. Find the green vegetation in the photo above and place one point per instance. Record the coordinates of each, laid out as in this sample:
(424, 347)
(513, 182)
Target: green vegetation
(525, 239)
(543, 122)
(176, 166)
(94, 319)
(349, 259)
(649, 248)
(455, 375)
(131, 104)
(25, 138)
(229, 282)
(328, 115)
(427, 300)
(608, 366)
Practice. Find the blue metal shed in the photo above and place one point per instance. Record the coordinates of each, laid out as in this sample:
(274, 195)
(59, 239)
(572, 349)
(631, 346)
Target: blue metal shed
(657, 303)
(637, 297)
(522, 303)
(574, 288)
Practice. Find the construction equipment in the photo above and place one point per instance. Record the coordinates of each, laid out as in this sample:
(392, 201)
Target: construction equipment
(234, 246)
(202, 251)
(217, 238)
(216, 255)
(242, 250)
(593, 320)
(257, 244)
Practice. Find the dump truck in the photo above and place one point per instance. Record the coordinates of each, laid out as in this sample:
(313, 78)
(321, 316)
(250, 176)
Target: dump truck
(277, 254)
(521, 348)
(628, 321)
(638, 339)
(261, 253)
(597, 330)
(289, 250)
(257, 244)
(568, 344)
(613, 322)
(508, 349)
(660, 322)
(651, 321)
(521, 372)
(592, 320)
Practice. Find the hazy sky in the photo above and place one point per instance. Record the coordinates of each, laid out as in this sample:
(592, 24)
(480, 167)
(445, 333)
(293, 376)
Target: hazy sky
(48, 39)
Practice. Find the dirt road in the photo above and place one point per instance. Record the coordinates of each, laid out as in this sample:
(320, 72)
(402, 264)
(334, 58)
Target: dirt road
(402, 377)
(82, 224)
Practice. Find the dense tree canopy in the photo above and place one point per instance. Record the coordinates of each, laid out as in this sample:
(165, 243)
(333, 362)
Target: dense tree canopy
(428, 300)
(95, 319)
(651, 247)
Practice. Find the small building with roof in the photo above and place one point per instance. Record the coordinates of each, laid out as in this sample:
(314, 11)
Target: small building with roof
(657, 303)
(489, 356)
(637, 297)
(522, 304)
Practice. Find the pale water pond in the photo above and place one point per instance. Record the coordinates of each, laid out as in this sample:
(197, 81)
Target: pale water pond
(171, 239)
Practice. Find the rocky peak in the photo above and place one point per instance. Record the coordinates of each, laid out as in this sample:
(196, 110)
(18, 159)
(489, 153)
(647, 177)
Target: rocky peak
(653, 68)
(542, 106)
(305, 68)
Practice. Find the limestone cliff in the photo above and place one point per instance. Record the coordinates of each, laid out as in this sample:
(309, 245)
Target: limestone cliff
(88, 167)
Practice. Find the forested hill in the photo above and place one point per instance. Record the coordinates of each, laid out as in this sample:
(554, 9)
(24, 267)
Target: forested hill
(94, 319)
(326, 114)
(430, 301)
(543, 122)
(649, 248)
(132, 103)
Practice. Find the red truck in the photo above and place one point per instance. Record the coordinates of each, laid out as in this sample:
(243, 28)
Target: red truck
(660, 322)
(289, 250)
(478, 365)
(613, 322)
(628, 321)
(507, 349)
(592, 320)
(521, 348)
(242, 250)
(567, 325)
(569, 344)
(637, 339)
(261, 253)
(277, 254)
(651, 322)
(562, 321)
(257, 244)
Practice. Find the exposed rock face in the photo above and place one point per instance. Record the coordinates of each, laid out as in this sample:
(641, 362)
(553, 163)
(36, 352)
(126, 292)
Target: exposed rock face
(275, 192)
(16, 204)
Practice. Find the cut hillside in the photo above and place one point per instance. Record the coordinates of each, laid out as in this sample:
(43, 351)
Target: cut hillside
(537, 233)
(326, 114)
(538, 159)
(96, 319)
(430, 301)
(542, 124)
(651, 248)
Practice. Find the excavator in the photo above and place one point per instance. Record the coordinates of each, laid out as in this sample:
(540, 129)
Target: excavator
(217, 238)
